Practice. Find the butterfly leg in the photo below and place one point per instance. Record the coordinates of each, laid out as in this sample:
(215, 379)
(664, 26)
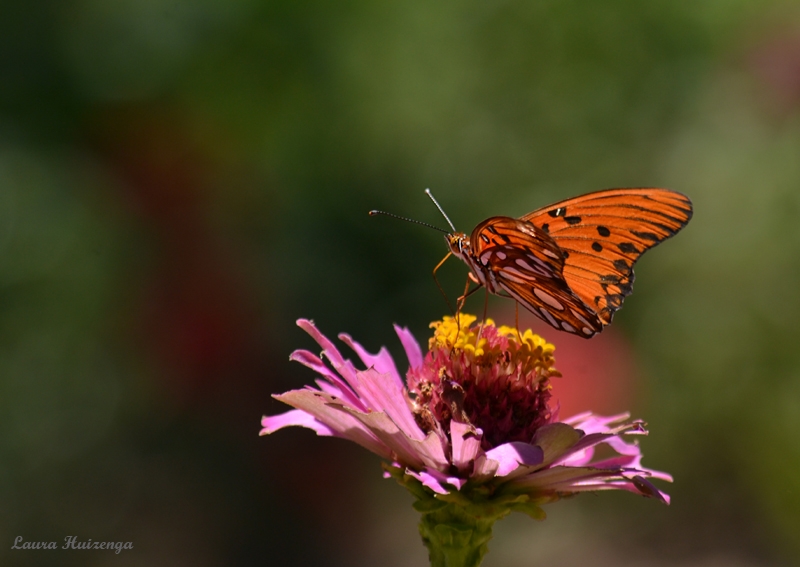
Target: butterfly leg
(483, 321)
(463, 298)
(467, 292)
(439, 265)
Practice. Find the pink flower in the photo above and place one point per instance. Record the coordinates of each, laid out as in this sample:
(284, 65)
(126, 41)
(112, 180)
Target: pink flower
(472, 417)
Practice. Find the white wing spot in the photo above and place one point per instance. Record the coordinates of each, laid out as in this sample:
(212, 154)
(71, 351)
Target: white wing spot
(580, 317)
(587, 331)
(485, 257)
(501, 255)
(548, 299)
(514, 275)
(549, 318)
(523, 264)
(538, 266)
(551, 254)
(528, 229)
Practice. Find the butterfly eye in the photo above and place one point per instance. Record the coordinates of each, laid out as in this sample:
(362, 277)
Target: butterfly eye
(456, 243)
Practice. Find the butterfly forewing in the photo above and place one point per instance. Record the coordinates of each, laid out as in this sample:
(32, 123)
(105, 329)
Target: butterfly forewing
(603, 234)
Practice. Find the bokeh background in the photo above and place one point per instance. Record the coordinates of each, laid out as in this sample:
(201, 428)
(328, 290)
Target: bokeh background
(182, 179)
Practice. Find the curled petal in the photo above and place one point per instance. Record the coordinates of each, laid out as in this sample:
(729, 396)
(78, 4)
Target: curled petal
(411, 346)
(555, 439)
(437, 481)
(511, 456)
(583, 451)
(330, 351)
(430, 479)
(301, 418)
(381, 362)
(315, 363)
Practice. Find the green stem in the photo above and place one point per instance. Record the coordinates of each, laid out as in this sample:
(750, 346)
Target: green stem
(455, 534)
(456, 527)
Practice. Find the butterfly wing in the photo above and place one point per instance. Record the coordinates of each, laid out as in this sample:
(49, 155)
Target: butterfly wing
(603, 234)
(523, 260)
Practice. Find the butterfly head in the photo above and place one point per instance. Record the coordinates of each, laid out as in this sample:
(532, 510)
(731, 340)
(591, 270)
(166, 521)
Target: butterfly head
(458, 242)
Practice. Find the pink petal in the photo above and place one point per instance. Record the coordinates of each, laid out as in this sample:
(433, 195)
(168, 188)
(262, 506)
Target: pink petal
(564, 479)
(610, 424)
(568, 480)
(576, 458)
(341, 366)
(381, 362)
(597, 485)
(429, 480)
(411, 346)
(592, 423)
(466, 444)
(619, 462)
(382, 393)
(555, 439)
(620, 446)
(510, 456)
(332, 390)
(484, 468)
(577, 418)
(316, 364)
(410, 452)
(273, 423)
(581, 452)
(436, 480)
(325, 409)
(456, 482)
(650, 473)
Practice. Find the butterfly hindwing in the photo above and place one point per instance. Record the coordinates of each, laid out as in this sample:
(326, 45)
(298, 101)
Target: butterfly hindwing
(524, 261)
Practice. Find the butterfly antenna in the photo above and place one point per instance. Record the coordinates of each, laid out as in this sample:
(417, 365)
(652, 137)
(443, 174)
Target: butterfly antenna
(441, 210)
(373, 213)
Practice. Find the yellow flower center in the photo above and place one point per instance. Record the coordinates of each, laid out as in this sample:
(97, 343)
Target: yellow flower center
(527, 351)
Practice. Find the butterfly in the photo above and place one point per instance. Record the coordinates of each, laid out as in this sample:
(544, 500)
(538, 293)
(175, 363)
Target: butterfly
(571, 263)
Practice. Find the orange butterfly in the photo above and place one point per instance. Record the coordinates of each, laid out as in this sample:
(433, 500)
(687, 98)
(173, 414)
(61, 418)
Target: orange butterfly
(571, 263)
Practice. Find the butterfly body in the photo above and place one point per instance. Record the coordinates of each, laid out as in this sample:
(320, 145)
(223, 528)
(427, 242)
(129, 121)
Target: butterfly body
(571, 263)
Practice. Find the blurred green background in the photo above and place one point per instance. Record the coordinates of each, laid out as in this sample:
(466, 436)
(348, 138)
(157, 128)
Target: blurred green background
(181, 180)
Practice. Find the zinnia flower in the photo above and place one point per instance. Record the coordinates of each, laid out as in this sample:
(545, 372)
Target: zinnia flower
(470, 432)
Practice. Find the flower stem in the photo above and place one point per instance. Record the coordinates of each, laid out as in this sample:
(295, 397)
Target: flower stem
(457, 533)
(456, 527)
